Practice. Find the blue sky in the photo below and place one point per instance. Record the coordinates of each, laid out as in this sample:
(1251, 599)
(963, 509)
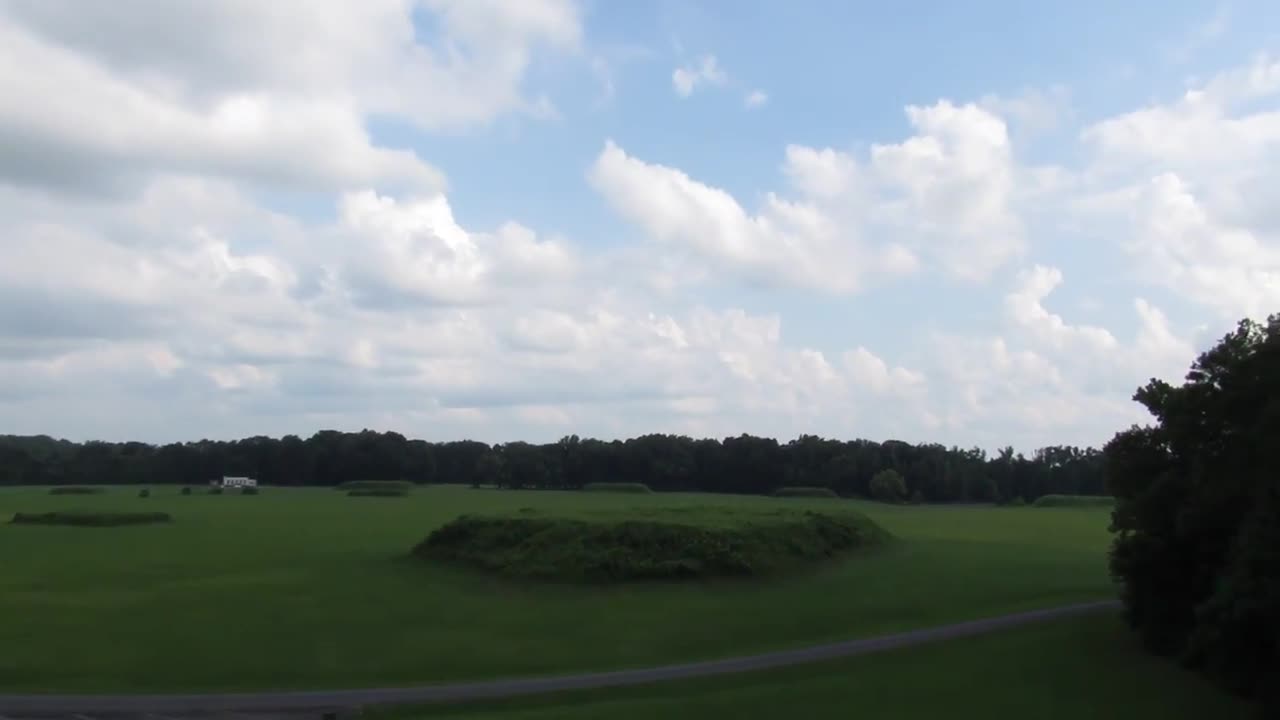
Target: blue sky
(975, 223)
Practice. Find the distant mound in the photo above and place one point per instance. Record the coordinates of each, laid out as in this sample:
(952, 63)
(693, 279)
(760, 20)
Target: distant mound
(618, 487)
(808, 492)
(378, 492)
(689, 544)
(404, 486)
(1080, 501)
(91, 519)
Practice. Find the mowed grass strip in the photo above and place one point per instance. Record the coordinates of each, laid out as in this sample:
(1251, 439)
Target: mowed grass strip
(307, 589)
(1086, 667)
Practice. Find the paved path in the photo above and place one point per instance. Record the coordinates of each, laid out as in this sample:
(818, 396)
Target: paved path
(329, 700)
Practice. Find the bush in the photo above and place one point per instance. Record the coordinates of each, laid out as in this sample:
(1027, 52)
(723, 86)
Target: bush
(76, 490)
(808, 492)
(642, 549)
(618, 487)
(1081, 501)
(215, 490)
(403, 485)
(1017, 501)
(888, 486)
(248, 491)
(91, 519)
(378, 492)
(186, 491)
(144, 493)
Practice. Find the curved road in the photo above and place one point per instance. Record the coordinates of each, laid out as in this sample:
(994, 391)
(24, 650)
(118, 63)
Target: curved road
(332, 700)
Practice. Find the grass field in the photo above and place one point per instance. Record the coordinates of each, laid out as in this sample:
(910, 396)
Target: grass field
(1086, 667)
(312, 589)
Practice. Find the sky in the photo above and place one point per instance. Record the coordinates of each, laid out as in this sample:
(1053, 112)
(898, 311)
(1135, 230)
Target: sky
(978, 224)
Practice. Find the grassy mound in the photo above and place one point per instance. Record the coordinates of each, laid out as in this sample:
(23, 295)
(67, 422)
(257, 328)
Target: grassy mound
(378, 492)
(404, 486)
(618, 487)
(640, 548)
(808, 492)
(76, 490)
(91, 519)
(1081, 501)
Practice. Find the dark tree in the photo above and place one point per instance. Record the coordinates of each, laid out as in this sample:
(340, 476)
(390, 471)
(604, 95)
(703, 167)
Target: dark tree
(1197, 517)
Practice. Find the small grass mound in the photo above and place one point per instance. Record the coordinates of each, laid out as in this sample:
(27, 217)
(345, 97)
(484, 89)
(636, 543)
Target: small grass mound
(402, 485)
(215, 490)
(249, 490)
(91, 519)
(618, 487)
(76, 490)
(805, 492)
(1081, 501)
(624, 549)
(378, 492)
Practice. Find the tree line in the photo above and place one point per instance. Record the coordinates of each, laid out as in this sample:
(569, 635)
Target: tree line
(743, 464)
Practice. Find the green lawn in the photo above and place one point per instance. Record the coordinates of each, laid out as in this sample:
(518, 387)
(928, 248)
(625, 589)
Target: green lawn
(1087, 667)
(312, 589)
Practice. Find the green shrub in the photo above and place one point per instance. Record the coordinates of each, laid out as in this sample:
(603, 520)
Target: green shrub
(248, 491)
(917, 497)
(640, 549)
(91, 519)
(1017, 501)
(186, 491)
(403, 485)
(144, 493)
(618, 487)
(808, 492)
(378, 492)
(76, 490)
(1082, 501)
(215, 490)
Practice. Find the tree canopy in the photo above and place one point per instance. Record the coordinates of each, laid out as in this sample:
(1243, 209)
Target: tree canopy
(742, 464)
(1197, 517)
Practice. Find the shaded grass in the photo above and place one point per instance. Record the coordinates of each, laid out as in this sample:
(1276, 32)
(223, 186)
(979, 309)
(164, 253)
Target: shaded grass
(1076, 501)
(76, 490)
(335, 601)
(626, 549)
(90, 519)
(617, 487)
(1086, 667)
(810, 492)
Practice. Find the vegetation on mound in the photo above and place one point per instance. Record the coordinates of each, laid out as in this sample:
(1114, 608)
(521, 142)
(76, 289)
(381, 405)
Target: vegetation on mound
(618, 487)
(378, 492)
(75, 490)
(90, 519)
(1084, 501)
(808, 492)
(402, 485)
(643, 549)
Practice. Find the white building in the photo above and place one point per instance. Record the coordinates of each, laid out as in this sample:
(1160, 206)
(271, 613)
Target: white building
(232, 482)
